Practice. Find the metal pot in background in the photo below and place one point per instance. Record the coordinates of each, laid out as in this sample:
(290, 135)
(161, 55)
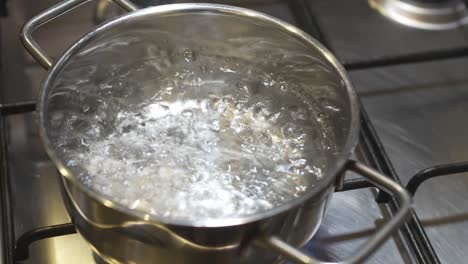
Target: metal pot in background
(121, 235)
(106, 10)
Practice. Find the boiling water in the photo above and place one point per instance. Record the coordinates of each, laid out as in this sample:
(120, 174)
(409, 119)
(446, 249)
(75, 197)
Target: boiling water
(201, 143)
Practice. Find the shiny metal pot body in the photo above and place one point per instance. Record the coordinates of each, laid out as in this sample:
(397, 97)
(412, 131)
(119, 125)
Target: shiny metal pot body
(121, 235)
(118, 237)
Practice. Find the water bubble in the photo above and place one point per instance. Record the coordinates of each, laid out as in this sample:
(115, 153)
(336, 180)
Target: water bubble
(104, 86)
(254, 169)
(283, 87)
(83, 142)
(187, 113)
(268, 82)
(227, 69)
(189, 55)
(290, 130)
(211, 143)
(215, 126)
(85, 108)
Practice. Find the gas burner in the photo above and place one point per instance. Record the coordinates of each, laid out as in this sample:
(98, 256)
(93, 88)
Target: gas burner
(424, 14)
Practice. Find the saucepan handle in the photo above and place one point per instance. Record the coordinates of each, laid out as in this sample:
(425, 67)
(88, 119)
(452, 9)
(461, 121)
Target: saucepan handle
(381, 181)
(57, 10)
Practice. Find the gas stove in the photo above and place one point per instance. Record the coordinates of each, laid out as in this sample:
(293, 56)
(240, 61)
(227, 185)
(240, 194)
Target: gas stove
(412, 85)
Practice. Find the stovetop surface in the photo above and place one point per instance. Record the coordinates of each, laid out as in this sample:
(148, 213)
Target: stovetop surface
(419, 111)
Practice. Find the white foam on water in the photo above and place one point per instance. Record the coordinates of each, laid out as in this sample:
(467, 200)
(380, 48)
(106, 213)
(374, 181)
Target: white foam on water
(198, 148)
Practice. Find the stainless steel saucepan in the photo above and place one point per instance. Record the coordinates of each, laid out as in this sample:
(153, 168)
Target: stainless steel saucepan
(119, 234)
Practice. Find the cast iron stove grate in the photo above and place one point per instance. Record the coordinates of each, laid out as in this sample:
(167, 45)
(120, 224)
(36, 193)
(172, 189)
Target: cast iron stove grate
(16, 248)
